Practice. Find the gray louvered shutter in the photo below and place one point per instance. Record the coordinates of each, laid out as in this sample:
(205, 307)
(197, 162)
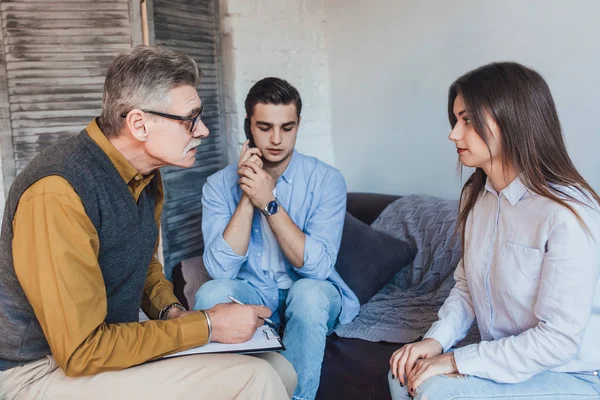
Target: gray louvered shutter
(56, 55)
(190, 26)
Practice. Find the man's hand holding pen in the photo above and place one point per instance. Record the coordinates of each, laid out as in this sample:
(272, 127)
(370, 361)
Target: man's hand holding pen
(235, 323)
(267, 320)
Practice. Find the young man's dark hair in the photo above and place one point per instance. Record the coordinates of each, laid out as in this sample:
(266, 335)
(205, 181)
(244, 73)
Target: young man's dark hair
(272, 91)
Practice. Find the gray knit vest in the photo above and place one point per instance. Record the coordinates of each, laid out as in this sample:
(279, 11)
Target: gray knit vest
(127, 233)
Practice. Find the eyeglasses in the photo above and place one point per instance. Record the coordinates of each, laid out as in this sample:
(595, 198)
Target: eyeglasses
(193, 119)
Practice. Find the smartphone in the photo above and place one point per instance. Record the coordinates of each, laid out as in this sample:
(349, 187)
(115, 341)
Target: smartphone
(248, 132)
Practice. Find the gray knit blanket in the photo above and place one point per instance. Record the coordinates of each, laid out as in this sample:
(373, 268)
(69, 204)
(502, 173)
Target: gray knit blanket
(404, 310)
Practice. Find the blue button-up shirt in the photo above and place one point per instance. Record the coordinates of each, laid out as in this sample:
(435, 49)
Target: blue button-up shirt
(314, 195)
(530, 275)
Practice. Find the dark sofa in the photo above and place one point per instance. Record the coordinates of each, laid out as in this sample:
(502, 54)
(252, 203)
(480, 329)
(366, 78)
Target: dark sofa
(355, 368)
(352, 368)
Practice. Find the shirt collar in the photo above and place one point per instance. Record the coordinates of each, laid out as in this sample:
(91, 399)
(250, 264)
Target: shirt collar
(489, 187)
(513, 192)
(290, 171)
(126, 170)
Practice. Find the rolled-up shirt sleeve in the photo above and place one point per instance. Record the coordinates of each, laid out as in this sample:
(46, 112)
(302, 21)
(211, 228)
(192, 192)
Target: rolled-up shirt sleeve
(324, 229)
(569, 276)
(219, 258)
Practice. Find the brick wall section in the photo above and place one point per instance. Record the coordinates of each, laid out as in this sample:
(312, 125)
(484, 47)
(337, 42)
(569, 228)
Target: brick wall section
(283, 38)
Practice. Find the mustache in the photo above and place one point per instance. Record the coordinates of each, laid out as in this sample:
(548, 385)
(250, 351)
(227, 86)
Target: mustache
(195, 142)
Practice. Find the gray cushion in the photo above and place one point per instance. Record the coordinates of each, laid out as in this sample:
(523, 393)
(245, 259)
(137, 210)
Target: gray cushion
(369, 259)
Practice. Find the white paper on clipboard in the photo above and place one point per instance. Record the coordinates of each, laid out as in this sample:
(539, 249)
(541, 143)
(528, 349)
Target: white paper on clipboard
(264, 339)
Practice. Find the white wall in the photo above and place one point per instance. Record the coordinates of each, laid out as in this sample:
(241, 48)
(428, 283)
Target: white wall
(283, 38)
(391, 63)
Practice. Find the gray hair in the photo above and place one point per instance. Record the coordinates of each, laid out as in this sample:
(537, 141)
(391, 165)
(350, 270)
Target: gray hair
(143, 78)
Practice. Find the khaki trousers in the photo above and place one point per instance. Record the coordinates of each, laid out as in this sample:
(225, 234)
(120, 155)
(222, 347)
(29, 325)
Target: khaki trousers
(207, 376)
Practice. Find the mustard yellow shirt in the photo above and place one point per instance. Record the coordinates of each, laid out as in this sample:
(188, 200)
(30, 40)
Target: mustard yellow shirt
(55, 254)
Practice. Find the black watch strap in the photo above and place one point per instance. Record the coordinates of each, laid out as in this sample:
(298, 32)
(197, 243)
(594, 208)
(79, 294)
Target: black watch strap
(165, 311)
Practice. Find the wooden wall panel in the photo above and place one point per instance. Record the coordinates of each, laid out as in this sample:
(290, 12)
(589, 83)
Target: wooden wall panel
(56, 56)
(190, 26)
(53, 60)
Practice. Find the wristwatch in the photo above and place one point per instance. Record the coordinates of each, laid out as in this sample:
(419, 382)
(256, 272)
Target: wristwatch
(271, 208)
(165, 311)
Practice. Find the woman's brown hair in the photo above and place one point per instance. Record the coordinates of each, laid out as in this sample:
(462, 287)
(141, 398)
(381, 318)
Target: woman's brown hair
(518, 99)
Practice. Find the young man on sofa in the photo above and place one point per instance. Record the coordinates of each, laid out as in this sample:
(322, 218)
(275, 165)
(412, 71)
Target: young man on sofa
(272, 227)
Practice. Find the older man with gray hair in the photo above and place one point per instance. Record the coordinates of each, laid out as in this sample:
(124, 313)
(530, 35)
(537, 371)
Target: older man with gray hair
(77, 247)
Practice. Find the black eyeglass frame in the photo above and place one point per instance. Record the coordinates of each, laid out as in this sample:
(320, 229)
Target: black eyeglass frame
(194, 119)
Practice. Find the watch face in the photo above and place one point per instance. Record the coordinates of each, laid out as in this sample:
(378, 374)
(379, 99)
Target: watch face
(273, 207)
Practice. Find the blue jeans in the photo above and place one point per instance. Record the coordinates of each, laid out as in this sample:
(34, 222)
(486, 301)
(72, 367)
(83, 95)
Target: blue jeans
(543, 386)
(309, 310)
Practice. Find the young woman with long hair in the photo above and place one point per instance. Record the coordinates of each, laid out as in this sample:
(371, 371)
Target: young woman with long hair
(530, 269)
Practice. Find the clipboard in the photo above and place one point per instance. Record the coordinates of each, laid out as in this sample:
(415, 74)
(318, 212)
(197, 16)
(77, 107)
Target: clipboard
(265, 339)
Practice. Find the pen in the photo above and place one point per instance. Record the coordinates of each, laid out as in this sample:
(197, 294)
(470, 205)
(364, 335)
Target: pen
(267, 320)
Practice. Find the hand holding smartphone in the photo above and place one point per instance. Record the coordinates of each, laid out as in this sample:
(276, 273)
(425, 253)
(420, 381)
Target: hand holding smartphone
(247, 153)
(248, 133)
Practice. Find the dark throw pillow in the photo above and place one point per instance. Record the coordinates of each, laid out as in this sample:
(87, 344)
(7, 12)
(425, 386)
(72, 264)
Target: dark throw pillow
(369, 259)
